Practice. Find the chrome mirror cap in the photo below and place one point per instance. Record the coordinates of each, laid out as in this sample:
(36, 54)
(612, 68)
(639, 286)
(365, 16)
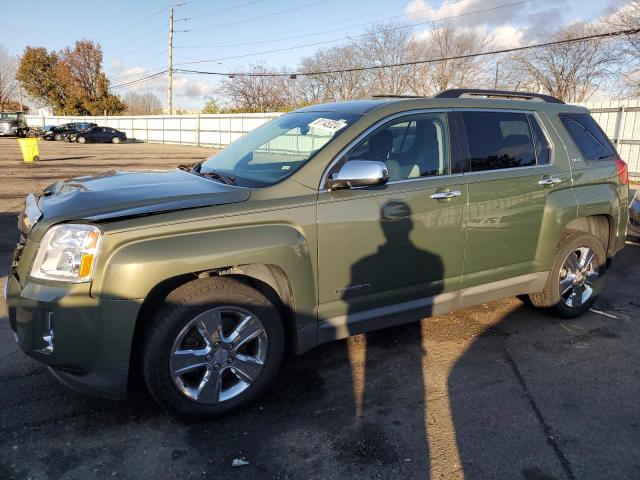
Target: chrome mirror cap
(360, 173)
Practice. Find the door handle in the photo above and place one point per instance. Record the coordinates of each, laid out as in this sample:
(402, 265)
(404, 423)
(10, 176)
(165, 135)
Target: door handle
(549, 181)
(445, 195)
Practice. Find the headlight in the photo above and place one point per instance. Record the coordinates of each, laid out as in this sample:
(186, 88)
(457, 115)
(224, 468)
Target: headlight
(67, 253)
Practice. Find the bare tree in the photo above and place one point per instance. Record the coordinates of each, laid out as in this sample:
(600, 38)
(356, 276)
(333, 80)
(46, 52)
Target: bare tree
(572, 71)
(627, 17)
(447, 42)
(330, 87)
(256, 93)
(386, 45)
(142, 104)
(8, 82)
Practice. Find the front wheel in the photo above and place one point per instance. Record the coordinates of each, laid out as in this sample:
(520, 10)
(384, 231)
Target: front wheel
(57, 137)
(115, 140)
(213, 347)
(575, 279)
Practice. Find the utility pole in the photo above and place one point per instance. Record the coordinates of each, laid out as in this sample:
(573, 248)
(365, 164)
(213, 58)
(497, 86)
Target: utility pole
(495, 83)
(170, 67)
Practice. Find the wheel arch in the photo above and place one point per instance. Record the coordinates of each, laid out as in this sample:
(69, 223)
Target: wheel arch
(600, 226)
(270, 280)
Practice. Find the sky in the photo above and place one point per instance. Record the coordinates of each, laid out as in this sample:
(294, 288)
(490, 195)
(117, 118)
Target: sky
(225, 35)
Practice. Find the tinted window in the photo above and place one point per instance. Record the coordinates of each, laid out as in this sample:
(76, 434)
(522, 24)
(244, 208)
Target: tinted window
(588, 136)
(411, 147)
(543, 149)
(498, 140)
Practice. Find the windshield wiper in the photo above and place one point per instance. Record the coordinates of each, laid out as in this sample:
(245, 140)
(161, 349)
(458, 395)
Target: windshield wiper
(226, 179)
(191, 167)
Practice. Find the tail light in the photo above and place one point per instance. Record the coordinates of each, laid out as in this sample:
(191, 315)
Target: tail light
(623, 172)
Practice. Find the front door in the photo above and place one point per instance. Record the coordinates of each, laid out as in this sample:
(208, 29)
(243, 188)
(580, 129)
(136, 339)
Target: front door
(392, 247)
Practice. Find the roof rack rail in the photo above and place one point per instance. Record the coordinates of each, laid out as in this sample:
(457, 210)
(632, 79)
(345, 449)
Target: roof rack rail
(380, 95)
(476, 92)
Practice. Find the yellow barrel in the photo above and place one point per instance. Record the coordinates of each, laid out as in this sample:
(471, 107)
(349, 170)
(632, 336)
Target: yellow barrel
(29, 149)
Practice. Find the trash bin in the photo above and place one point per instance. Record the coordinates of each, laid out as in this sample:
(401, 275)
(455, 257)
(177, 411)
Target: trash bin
(29, 149)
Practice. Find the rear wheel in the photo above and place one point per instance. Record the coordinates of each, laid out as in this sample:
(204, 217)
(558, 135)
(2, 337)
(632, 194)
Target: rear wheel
(81, 140)
(57, 137)
(576, 277)
(213, 347)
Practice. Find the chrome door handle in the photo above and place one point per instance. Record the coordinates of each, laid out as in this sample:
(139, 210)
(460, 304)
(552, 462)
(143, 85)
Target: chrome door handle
(445, 195)
(549, 181)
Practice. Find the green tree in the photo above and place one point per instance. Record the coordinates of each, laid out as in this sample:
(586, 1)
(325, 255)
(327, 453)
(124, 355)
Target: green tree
(72, 80)
(211, 105)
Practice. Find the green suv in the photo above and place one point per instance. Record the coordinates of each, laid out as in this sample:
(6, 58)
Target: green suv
(329, 221)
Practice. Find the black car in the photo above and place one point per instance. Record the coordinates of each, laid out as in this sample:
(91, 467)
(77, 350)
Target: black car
(99, 135)
(62, 131)
(633, 229)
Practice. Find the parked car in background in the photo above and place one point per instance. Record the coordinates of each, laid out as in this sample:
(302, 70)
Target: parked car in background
(98, 135)
(633, 229)
(60, 132)
(329, 221)
(13, 123)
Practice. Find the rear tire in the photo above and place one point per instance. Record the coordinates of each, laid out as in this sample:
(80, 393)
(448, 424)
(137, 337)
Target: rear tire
(570, 292)
(203, 323)
(81, 140)
(57, 137)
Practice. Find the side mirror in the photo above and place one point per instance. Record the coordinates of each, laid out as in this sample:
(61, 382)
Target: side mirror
(359, 173)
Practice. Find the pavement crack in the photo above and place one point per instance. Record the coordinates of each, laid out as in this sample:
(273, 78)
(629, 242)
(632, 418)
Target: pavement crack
(546, 428)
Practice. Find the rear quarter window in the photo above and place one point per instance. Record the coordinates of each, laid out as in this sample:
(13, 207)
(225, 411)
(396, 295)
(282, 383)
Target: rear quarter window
(591, 141)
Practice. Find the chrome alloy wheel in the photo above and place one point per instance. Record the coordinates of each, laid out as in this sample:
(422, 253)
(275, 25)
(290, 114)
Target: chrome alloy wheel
(218, 354)
(578, 276)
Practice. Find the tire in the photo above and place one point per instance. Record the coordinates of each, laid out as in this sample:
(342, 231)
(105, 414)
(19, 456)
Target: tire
(173, 330)
(115, 140)
(81, 139)
(570, 304)
(57, 137)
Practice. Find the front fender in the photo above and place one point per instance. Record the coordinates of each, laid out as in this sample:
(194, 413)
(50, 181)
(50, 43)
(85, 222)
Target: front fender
(131, 268)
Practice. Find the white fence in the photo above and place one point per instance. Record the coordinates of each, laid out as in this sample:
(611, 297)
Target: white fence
(619, 119)
(621, 122)
(206, 130)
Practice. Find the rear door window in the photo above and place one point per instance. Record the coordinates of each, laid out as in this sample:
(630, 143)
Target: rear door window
(588, 136)
(498, 140)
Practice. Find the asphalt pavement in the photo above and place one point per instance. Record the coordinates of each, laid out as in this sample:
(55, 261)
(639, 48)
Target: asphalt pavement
(497, 391)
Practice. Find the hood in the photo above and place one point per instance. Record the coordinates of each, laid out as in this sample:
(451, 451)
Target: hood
(114, 194)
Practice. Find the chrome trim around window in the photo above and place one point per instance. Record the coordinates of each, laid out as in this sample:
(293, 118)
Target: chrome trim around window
(323, 187)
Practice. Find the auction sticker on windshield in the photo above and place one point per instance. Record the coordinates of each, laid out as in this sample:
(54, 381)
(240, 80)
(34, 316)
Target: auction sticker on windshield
(327, 124)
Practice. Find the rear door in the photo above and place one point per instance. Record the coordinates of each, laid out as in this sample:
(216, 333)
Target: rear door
(511, 171)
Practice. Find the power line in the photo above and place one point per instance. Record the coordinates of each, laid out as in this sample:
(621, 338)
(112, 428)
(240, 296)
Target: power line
(135, 39)
(272, 14)
(618, 33)
(134, 25)
(221, 10)
(140, 80)
(484, 10)
(381, 20)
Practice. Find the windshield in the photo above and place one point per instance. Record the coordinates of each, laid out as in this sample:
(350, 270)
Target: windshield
(274, 151)
(10, 116)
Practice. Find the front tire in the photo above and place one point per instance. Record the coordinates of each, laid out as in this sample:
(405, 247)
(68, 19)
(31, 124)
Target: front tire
(115, 140)
(57, 137)
(575, 279)
(213, 347)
